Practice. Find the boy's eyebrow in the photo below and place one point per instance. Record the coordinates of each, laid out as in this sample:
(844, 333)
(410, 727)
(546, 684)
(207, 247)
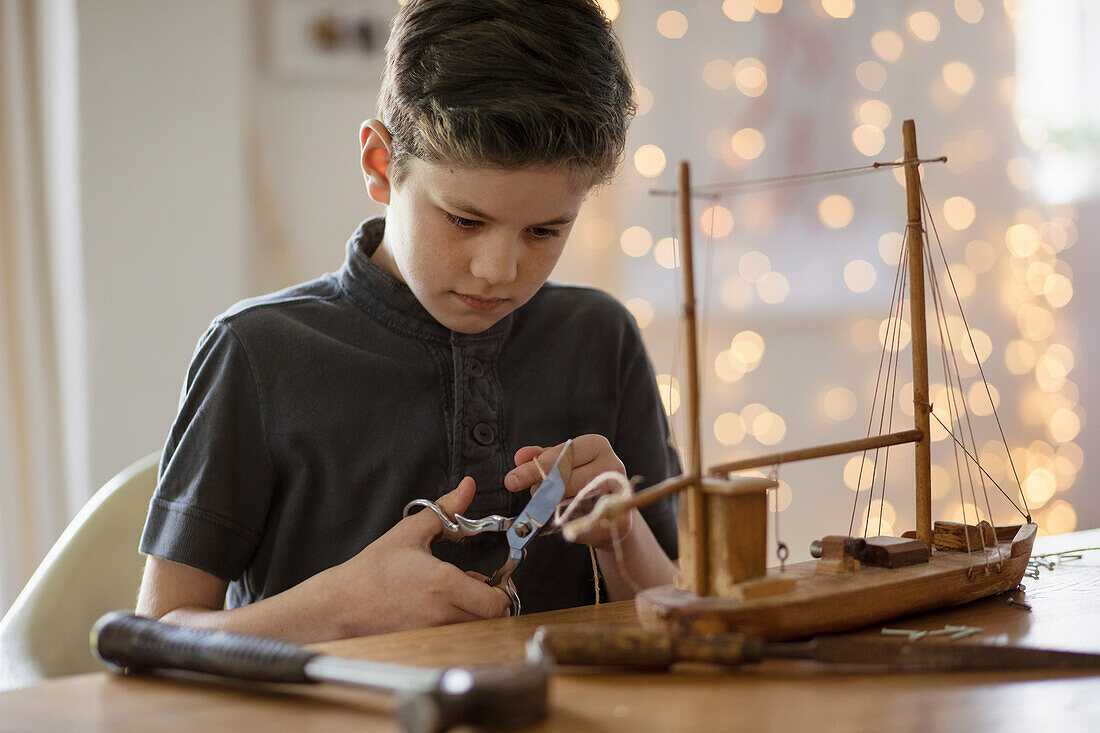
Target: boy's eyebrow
(472, 211)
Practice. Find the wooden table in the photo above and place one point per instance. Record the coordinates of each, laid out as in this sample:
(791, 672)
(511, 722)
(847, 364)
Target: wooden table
(776, 696)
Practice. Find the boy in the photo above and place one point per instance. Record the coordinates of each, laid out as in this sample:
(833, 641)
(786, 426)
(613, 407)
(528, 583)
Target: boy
(433, 358)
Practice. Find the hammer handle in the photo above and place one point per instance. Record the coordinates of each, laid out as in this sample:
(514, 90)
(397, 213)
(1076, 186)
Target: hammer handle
(125, 640)
(643, 648)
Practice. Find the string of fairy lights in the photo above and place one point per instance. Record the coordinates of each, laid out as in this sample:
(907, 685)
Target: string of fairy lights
(1017, 262)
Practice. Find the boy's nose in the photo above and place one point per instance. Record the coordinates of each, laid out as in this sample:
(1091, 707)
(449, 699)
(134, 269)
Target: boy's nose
(495, 261)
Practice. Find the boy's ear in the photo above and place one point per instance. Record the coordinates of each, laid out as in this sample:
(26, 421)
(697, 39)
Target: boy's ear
(374, 140)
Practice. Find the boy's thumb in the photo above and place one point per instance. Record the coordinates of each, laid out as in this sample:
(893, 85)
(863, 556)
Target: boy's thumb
(424, 526)
(456, 501)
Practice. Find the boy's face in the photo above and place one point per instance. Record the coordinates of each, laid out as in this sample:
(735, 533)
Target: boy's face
(474, 244)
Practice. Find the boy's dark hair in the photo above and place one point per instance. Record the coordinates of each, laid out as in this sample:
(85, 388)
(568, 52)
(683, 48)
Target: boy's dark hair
(506, 83)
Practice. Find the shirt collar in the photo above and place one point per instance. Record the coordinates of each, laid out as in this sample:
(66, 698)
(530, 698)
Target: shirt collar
(390, 300)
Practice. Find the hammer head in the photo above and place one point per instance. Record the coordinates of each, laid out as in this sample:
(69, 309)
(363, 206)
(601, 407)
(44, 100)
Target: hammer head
(498, 697)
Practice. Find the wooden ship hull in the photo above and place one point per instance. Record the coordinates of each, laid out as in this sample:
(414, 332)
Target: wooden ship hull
(814, 602)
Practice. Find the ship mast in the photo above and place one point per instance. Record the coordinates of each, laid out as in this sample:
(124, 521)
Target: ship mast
(692, 527)
(921, 405)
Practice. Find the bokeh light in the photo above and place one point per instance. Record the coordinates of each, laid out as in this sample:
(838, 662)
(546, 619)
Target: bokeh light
(1022, 240)
(773, 288)
(649, 160)
(636, 241)
(642, 311)
(894, 334)
(840, 404)
(981, 256)
(958, 76)
(959, 212)
(1060, 518)
(729, 428)
(753, 265)
(751, 77)
(769, 428)
(669, 389)
(738, 10)
(970, 11)
(869, 140)
(978, 399)
(716, 221)
(728, 367)
(610, 8)
(839, 8)
(1064, 425)
(871, 75)
(748, 348)
(835, 211)
(875, 112)
(718, 74)
(672, 24)
(924, 26)
(887, 45)
(667, 253)
(859, 276)
(852, 473)
(747, 143)
(889, 248)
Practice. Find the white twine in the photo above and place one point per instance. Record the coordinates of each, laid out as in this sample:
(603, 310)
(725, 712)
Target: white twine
(572, 526)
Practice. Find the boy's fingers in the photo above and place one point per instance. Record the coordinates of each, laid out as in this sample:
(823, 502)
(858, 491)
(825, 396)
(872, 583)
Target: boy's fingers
(586, 450)
(526, 453)
(472, 595)
(455, 502)
(425, 525)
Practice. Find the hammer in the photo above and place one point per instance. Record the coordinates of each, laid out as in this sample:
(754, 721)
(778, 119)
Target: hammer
(428, 700)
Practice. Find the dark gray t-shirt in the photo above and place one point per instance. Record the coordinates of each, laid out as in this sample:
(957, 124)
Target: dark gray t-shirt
(310, 417)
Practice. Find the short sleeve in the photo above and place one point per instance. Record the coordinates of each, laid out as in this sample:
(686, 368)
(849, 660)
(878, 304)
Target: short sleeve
(216, 477)
(642, 437)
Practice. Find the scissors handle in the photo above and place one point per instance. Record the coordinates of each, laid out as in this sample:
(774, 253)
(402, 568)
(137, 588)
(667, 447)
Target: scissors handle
(461, 527)
(502, 578)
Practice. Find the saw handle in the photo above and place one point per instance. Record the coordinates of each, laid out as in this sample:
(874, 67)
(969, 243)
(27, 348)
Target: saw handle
(613, 646)
(124, 640)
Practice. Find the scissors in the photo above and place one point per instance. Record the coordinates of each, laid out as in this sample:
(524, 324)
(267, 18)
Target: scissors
(520, 529)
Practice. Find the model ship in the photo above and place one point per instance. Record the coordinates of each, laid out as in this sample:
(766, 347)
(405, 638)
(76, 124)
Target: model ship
(724, 584)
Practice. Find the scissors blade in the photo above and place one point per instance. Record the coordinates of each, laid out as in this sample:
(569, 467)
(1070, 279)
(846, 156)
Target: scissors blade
(544, 502)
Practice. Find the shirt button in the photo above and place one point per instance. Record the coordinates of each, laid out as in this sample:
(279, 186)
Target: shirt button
(484, 433)
(474, 367)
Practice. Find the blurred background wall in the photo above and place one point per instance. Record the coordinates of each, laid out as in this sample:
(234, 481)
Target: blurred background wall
(163, 160)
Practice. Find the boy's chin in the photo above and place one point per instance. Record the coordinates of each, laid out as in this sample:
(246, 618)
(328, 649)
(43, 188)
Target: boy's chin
(470, 324)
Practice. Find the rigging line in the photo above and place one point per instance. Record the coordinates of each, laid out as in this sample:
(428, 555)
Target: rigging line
(996, 416)
(989, 396)
(980, 468)
(778, 181)
(890, 424)
(678, 330)
(893, 392)
(949, 388)
(938, 298)
(708, 287)
(874, 400)
(893, 366)
(945, 346)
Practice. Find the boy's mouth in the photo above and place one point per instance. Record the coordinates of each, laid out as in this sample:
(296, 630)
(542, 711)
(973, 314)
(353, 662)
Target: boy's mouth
(483, 305)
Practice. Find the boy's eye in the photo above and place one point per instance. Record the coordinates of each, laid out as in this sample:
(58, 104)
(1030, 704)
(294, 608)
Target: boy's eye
(544, 233)
(463, 223)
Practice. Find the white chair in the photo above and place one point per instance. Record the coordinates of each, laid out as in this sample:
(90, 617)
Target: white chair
(94, 567)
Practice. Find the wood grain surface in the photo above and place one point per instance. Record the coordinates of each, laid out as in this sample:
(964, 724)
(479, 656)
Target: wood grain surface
(775, 696)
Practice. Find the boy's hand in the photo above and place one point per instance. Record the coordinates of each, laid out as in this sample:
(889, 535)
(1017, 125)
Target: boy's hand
(395, 583)
(592, 455)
